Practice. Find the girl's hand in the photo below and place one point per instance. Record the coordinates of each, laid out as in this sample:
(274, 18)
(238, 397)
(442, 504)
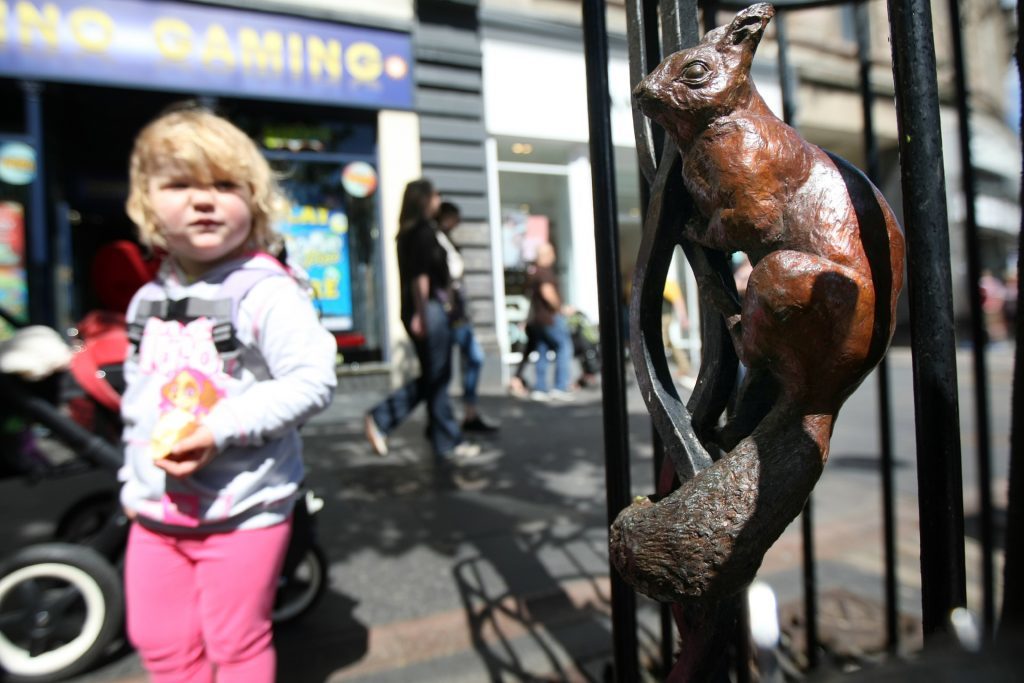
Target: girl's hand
(190, 454)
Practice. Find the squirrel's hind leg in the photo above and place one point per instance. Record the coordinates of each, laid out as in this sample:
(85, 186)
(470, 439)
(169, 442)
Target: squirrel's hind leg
(803, 322)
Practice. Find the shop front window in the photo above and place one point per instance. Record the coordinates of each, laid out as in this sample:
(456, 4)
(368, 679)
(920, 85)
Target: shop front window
(331, 233)
(326, 163)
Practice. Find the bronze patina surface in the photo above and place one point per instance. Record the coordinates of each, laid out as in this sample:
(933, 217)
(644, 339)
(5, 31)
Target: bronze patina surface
(816, 317)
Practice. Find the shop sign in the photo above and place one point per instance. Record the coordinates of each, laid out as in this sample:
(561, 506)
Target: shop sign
(316, 238)
(199, 49)
(17, 163)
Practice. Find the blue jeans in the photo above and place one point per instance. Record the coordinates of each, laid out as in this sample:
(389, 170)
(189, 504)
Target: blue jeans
(435, 355)
(472, 356)
(554, 336)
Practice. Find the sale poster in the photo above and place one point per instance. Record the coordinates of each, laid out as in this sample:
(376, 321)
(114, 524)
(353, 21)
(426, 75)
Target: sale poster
(316, 238)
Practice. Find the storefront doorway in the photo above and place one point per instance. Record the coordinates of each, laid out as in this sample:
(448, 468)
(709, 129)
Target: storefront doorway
(534, 210)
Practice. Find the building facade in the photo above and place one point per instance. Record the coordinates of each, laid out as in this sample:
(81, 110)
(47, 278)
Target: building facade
(327, 95)
(351, 100)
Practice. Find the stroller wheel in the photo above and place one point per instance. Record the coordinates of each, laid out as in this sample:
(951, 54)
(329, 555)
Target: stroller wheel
(61, 607)
(300, 588)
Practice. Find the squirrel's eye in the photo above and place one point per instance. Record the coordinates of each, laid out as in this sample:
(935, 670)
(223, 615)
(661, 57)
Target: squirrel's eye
(695, 72)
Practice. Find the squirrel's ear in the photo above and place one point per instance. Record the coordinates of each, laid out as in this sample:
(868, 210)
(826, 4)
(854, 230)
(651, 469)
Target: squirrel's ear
(749, 25)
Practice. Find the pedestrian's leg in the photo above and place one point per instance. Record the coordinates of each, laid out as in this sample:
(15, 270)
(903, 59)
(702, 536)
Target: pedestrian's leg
(517, 385)
(436, 360)
(390, 412)
(237, 574)
(541, 366)
(531, 346)
(462, 336)
(563, 353)
(162, 609)
(472, 363)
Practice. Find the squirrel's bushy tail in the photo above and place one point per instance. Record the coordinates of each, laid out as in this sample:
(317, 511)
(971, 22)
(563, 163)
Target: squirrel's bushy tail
(706, 540)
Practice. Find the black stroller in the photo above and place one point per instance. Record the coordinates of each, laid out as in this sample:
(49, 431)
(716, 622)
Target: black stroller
(62, 601)
(586, 347)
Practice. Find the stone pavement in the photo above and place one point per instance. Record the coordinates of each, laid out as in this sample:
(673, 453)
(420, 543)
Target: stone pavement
(507, 578)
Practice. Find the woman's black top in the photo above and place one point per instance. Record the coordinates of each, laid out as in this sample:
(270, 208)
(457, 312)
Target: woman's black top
(419, 253)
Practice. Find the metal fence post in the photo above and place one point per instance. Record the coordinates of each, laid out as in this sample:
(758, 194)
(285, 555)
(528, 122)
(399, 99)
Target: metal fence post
(613, 390)
(1012, 610)
(940, 487)
(978, 335)
(872, 164)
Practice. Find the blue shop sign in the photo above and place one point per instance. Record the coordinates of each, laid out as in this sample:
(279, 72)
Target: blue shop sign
(195, 49)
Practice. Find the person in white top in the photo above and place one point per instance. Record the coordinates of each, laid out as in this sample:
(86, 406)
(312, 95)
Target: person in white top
(472, 355)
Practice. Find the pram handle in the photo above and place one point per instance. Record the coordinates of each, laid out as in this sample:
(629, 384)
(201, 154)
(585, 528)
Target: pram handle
(83, 442)
(10, 319)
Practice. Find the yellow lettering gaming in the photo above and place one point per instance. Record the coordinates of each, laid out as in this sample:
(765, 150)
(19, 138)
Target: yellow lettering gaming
(295, 59)
(30, 19)
(173, 39)
(217, 47)
(364, 62)
(261, 52)
(93, 29)
(324, 57)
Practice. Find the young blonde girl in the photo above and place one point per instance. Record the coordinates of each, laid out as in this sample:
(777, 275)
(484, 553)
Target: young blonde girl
(212, 501)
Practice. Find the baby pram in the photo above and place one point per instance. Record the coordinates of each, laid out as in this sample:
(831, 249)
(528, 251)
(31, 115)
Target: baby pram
(586, 346)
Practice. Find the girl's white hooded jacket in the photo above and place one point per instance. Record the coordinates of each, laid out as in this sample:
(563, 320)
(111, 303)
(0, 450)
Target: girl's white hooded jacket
(176, 372)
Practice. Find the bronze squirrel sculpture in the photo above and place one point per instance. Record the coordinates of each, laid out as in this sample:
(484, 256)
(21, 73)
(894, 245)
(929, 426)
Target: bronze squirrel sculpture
(817, 315)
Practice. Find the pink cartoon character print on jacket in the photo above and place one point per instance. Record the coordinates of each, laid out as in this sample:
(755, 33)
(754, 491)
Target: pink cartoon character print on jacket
(184, 399)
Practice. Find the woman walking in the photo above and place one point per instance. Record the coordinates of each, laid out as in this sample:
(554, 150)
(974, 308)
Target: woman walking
(425, 282)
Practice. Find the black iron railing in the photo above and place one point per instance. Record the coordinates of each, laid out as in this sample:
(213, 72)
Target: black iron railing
(658, 29)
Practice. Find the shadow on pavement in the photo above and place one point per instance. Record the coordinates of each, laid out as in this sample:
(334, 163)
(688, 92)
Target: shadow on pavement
(323, 641)
(553, 615)
(520, 548)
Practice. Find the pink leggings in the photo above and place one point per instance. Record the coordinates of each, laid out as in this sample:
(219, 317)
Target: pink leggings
(199, 606)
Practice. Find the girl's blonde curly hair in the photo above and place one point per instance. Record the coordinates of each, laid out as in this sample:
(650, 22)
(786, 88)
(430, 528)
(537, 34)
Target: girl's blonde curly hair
(210, 148)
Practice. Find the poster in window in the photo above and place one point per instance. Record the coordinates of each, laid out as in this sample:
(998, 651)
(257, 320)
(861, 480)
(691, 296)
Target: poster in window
(13, 286)
(522, 233)
(316, 238)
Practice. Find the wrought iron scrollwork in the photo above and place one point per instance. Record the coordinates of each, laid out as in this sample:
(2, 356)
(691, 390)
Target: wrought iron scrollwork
(669, 207)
